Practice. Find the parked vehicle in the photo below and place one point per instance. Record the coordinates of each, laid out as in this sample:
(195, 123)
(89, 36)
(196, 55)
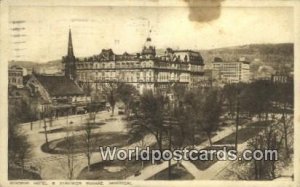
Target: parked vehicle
(121, 110)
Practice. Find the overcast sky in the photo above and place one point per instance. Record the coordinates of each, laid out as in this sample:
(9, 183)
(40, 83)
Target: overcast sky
(45, 32)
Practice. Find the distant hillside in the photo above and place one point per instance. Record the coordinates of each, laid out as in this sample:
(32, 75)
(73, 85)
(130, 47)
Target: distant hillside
(49, 67)
(25, 64)
(274, 55)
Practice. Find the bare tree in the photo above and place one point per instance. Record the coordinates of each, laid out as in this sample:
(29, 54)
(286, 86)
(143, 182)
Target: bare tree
(69, 162)
(286, 98)
(88, 137)
(46, 112)
(271, 139)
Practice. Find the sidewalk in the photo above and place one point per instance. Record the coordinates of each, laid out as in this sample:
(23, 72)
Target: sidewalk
(49, 162)
(63, 121)
(151, 170)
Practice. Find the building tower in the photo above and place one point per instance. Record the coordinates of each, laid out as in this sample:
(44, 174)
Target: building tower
(148, 51)
(69, 60)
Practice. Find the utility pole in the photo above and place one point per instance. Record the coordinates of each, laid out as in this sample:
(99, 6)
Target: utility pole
(237, 120)
(170, 146)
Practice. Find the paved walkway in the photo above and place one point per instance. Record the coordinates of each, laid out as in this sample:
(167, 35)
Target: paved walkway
(46, 163)
(151, 170)
(207, 174)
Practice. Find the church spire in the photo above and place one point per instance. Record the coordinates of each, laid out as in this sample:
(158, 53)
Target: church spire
(70, 45)
(69, 60)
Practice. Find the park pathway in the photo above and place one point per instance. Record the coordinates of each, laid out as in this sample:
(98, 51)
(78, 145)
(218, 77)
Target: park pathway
(151, 170)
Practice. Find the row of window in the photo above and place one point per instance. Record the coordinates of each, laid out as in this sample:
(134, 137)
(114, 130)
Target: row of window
(15, 74)
(14, 80)
(138, 65)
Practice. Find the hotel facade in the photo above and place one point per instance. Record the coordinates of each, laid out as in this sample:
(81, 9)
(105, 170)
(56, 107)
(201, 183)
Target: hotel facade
(145, 70)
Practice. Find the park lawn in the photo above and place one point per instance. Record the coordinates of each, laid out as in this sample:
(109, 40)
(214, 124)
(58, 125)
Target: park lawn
(177, 173)
(204, 164)
(99, 139)
(98, 170)
(244, 134)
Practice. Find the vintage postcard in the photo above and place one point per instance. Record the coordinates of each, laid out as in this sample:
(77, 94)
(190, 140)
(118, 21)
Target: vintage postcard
(149, 93)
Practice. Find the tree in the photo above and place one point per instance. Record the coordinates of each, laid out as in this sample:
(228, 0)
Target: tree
(127, 93)
(88, 137)
(192, 103)
(230, 95)
(284, 95)
(183, 131)
(137, 134)
(271, 139)
(151, 115)
(110, 91)
(18, 146)
(70, 156)
(46, 112)
(256, 98)
(211, 111)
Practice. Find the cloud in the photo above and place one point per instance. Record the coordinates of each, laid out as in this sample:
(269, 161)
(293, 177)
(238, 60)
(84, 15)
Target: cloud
(204, 10)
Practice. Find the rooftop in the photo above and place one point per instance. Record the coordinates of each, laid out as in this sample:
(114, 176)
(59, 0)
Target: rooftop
(59, 85)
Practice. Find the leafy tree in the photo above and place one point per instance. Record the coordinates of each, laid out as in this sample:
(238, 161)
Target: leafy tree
(127, 93)
(211, 111)
(256, 98)
(137, 134)
(18, 146)
(230, 95)
(110, 92)
(151, 115)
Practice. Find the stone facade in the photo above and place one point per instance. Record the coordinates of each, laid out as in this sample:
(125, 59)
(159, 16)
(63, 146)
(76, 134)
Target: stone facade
(144, 70)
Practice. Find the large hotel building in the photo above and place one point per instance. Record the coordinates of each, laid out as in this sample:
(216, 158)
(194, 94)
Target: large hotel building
(145, 70)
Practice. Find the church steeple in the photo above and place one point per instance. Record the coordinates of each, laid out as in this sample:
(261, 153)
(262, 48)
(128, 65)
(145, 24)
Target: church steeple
(69, 60)
(70, 44)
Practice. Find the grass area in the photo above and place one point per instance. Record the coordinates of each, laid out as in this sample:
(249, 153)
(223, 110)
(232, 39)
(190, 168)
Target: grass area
(204, 164)
(101, 170)
(98, 139)
(244, 134)
(177, 173)
(16, 174)
(73, 128)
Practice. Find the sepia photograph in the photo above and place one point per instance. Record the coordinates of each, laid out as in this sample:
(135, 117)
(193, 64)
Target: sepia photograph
(142, 91)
